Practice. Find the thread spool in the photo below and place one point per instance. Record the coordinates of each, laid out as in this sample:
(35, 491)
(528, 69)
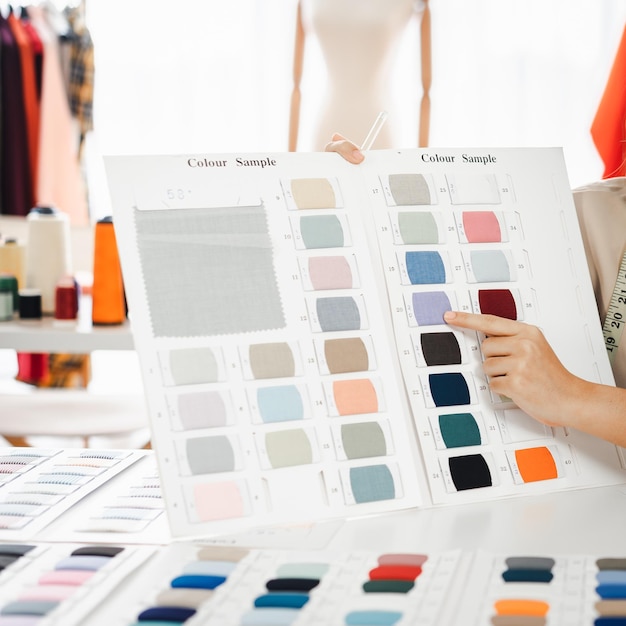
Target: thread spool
(66, 299)
(30, 304)
(48, 253)
(6, 302)
(32, 367)
(8, 283)
(109, 301)
(13, 259)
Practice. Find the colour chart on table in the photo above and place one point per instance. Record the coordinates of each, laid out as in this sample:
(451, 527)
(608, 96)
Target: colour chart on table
(37, 485)
(195, 583)
(287, 311)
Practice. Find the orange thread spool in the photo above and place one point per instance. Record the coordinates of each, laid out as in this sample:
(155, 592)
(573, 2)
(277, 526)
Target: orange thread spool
(109, 301)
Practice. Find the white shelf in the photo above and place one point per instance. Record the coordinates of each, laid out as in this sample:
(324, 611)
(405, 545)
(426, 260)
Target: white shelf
(47, 335)
(50, 335)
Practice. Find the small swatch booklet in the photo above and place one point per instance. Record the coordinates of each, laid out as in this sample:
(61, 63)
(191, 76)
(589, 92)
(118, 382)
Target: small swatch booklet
(287, 310)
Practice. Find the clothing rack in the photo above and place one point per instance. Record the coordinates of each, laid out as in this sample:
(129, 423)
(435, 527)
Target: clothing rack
(40, 159)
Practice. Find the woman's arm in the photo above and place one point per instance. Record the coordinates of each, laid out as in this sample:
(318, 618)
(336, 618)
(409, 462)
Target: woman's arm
(521, 365)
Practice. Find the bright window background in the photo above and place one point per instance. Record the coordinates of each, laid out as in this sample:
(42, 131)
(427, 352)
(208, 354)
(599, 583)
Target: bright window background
(206, 76)
(211, 76)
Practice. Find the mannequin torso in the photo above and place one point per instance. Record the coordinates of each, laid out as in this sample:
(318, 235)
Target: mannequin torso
(358, 39)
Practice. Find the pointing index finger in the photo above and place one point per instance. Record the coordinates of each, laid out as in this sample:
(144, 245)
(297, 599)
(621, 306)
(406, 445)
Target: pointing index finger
(489, 324)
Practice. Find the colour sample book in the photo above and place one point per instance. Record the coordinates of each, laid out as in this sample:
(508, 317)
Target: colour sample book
(287, 310)
(270, 366)
(494, 232)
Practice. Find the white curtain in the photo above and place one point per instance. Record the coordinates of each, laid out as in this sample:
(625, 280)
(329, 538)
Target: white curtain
(212, 75)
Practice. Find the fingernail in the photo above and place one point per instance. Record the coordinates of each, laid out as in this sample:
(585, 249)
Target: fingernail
(357, 155)
(449, 315)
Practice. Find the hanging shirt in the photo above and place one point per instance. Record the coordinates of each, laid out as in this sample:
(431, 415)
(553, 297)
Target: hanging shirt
(16, 185)
(37, 49)
(81, 71)
(31, 99)
(59, 181)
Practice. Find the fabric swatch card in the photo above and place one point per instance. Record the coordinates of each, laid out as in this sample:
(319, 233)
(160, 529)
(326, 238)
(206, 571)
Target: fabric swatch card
(63, 583)
(287, 310)
(269, 363)
(234, 586)
(37, 485)
(200, 583)
(486, 231)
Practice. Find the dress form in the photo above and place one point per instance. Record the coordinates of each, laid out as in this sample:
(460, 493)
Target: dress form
(358, 40)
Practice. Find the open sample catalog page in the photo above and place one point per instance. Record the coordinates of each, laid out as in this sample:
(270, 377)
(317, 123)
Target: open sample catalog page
(287, 311)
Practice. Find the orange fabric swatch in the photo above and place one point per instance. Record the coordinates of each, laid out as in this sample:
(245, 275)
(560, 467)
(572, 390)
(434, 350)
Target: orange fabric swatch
(536, 464)
(353, 397)
(521, 607)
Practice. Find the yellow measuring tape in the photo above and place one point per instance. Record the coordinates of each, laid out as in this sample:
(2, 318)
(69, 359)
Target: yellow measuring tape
(616, 313)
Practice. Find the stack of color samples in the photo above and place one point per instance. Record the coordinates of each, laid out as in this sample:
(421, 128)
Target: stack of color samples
(54, 588)
(395, 573)
(286, 595)
(10, 553)
(611, 579)
(193, 587)
(38, 485)
(518, 610)
(521, 612)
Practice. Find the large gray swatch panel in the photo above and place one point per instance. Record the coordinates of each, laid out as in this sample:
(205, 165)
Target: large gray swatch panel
(208, 271)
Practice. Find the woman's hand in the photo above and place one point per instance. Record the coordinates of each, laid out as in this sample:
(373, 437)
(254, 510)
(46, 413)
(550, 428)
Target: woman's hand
(521, 365)
(348, 150)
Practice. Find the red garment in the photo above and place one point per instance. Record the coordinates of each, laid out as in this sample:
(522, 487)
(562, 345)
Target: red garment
(37, 48)
(608, 129)
(29, 90)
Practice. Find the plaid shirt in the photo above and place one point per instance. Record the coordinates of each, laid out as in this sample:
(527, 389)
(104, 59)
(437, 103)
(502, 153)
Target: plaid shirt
(81, 71)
